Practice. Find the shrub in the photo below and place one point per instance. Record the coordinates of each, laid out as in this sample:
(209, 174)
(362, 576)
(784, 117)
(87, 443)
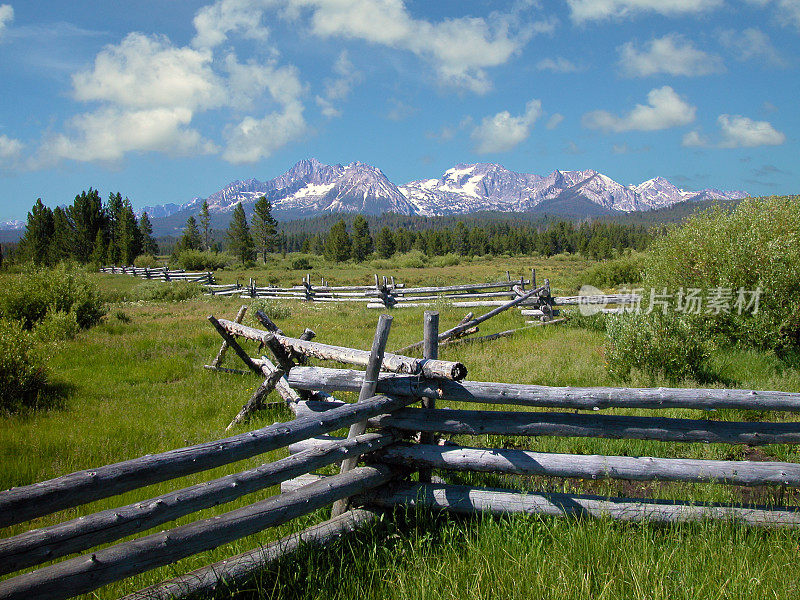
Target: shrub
(145, 261)
(658, 345)
(198, 260)
(56, 326)
(617, 272)
(757, 245)
(23, 376)
(301, 264)
(413, 259)
(448, 260)
(64, 289)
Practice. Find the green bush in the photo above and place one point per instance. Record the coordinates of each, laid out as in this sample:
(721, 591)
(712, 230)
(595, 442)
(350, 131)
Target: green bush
(57, 326)
(23, 376)
(145, 261)
(301, 264)
(413, 259)
(757, 245)
(62, 289)
(448, 260)
(658, 345)
(617, 272)
(197, 260)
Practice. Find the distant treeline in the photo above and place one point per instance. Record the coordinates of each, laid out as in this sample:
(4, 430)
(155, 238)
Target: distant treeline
(594, 239)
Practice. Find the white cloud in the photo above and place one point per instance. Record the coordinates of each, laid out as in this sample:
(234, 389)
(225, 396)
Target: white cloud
(787, 11)
(582, 11)
(338, 89)
(503, 132)
(10, 152)
(558, 65)
(694, 139)
(741, 132)
(672, 54)
(751, 44)
(737, 131)
(248, 81)
(214, 22)
(253, 139)
(664, 109)
(108, 134)
(400, 110)
(459, 48)
(148, 71)
(6, 16)
(554, 121)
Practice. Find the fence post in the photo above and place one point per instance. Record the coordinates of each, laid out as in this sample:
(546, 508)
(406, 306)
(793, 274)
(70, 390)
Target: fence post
(367, 391)
(430, 351)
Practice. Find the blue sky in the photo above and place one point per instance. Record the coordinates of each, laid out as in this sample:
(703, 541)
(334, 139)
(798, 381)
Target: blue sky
(167, 100)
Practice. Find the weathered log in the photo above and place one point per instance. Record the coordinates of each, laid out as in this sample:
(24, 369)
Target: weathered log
(639, 468)
(86, 573)
(463, 499)
(391, 362)
(477, 321)
(484, 338)
(41, 545)
(223, 349)
(457, 288)
(291, 485)
(238, 569)
(482, 422)
(367, 391)
(27, 502)
(344, 380)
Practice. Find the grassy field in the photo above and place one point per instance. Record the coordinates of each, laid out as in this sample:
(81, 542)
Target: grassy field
(135, 385)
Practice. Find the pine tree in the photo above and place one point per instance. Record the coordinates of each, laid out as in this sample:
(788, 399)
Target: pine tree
(337, 244)
(240, 242)
(265, 227)
(62, 243)
(149, 245)
(114, 212)
(190, 240)
(35, 242)
(362, 245)
(205, 226)
(129, 236)
(384, 243)
(88, 217)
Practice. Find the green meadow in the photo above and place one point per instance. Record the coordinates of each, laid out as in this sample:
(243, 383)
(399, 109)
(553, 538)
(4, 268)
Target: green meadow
(135, 384)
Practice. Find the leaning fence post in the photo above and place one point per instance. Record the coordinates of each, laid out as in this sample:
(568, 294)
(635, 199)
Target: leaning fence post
(431, 352)
(367, 391)
(224, 348)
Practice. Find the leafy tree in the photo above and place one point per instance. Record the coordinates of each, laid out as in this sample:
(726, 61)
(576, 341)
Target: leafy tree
(35, 243)
(190, 240)
(149, 245)
(205, 226)
(240, 242)
(384, 243)
(337, 244)
(362, 245)
(265, 227)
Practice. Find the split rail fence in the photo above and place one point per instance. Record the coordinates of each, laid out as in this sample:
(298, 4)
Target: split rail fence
(390, 438)
(163, 274)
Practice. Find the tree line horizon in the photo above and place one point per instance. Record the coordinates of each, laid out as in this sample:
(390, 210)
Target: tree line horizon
(92, 231)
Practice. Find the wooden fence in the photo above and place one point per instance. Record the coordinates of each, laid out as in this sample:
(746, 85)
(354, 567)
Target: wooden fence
(162, 274)
(388, 387)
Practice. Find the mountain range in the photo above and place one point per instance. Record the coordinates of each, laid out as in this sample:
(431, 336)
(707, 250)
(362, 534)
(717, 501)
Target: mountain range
(311, 188)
